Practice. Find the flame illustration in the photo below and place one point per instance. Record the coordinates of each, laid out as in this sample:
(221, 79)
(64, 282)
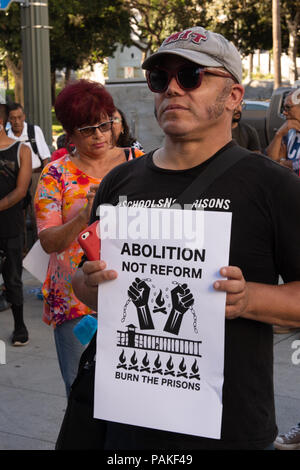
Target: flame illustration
(122, 357)
(170, 363)
(182, 365)
(159, 299)
(145, 361)
(157, 362)
(133, 359)
(195, 368)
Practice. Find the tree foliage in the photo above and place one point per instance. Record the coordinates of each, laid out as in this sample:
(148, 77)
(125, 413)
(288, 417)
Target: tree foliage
(80, 31)
(247, 23)
(154, 20)
(10, 32)
(86, 31)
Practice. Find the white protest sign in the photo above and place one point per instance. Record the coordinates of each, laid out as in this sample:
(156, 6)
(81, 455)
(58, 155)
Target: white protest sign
(160, 343)
(36, 261)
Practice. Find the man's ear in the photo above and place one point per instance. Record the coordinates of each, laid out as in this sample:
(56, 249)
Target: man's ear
(235, 96)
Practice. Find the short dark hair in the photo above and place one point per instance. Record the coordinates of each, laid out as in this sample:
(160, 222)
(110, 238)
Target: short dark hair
(4, 113)
(125, 139)
(14, 106)
(81, 103)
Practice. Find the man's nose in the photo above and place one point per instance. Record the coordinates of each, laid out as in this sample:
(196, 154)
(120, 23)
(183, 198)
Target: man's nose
(173, 86)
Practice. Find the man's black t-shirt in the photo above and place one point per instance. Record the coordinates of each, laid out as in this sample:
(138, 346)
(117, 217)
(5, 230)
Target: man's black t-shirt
(264, 199)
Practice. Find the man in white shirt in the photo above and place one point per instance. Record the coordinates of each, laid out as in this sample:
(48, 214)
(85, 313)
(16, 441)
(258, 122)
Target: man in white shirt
(19, 131)
(40, 153)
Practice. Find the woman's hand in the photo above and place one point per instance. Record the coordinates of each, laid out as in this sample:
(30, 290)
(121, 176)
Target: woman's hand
(235, 286)
(86, 211)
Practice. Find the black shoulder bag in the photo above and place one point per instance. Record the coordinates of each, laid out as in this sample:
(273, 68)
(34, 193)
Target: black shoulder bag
(32, 140)
(79, 429)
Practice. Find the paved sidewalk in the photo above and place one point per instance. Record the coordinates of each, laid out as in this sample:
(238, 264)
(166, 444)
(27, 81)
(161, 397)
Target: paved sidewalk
(32, 394)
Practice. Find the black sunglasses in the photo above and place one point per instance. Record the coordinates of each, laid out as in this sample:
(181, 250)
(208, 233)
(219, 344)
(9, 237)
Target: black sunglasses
(188, 77)
(90, 130)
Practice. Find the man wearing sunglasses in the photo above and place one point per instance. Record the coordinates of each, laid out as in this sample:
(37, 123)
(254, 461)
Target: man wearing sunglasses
(196, 79)
(285, 146)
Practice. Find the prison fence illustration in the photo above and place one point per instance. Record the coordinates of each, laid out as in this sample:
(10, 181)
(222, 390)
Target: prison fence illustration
(132, 339)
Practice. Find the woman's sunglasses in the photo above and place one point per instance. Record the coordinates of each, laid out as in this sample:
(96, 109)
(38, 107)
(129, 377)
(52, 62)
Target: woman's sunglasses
(90, 130)
(187, 77)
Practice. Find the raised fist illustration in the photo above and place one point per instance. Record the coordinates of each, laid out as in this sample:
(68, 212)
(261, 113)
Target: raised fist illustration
(139, 292)
(182, 300)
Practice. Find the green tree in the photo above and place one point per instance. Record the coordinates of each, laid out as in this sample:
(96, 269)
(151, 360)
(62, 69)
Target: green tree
(85, 32)
(154, 20)
(291, 15)
(247, 23)
(10, 46)
(81, 32)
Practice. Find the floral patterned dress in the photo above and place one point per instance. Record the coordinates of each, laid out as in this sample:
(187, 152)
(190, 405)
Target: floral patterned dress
(60, 195)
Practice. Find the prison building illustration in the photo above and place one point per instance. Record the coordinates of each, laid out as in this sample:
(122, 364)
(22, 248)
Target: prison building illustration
(132, 339)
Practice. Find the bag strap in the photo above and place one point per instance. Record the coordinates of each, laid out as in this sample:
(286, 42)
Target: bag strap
(8, 171)
(216, 168)
(129, 151)
(4, 167)
(32, 140)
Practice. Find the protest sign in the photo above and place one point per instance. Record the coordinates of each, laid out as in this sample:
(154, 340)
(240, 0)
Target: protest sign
(160, 344)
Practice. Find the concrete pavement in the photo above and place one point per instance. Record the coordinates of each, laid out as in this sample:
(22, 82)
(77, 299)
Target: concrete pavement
(32, 394)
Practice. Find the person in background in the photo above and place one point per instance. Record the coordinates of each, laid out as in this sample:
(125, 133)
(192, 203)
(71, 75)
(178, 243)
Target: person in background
(15, 174)
(285, 146)
(19, 130)
(244, 134)
(63, 202)
(62, 148)
(31, 135)
(122, 131)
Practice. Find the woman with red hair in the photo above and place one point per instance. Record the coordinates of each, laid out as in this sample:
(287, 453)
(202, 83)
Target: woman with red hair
(63, 203)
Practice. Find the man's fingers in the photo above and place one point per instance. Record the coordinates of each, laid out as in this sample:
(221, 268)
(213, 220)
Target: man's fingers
(233, 299)
(231, 287)
(95, 273)
(231, 272)
(93, 266)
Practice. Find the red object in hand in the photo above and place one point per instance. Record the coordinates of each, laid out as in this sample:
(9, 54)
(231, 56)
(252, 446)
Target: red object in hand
(90, 242)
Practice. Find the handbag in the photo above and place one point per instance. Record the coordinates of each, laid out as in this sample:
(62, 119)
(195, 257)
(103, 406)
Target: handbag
(79, 429)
